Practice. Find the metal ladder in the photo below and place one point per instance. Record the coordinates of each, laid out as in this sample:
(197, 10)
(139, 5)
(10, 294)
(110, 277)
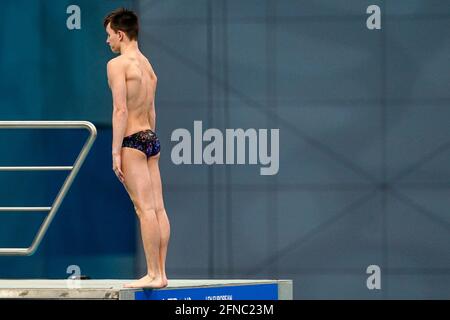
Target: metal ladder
(64, 188)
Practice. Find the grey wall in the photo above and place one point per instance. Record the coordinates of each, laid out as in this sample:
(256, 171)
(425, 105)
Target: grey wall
(364, 142)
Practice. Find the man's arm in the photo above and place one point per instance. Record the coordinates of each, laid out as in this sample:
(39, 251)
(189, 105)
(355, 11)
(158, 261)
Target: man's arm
(151, 119)
(117, 83)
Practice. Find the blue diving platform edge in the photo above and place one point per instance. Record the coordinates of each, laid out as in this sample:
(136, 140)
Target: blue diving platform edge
(219, 290)
(233, 292)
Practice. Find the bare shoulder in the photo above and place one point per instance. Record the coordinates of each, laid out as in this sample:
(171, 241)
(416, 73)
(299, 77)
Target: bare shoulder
(115, 63)
(115, 69)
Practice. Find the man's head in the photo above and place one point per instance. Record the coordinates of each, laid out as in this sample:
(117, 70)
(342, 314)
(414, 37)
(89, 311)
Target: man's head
(121, 25)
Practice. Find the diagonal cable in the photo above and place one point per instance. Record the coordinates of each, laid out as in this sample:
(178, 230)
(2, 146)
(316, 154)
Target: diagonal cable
(421, 209)
(442, 148)
(306, 237)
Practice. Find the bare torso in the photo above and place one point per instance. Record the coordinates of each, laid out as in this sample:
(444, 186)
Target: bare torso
(141, 87)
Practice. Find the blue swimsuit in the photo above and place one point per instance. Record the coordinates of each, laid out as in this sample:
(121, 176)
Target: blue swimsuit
(145, 141)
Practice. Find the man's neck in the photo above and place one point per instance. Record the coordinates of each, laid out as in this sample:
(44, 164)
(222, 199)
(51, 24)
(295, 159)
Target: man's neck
(131, 46)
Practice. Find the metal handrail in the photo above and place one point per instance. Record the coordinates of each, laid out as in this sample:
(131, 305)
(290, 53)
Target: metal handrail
(64, 188)
(41, 168)
(16, 209)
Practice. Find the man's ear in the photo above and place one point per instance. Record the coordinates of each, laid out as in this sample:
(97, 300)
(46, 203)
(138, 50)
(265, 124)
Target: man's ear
(121, 34)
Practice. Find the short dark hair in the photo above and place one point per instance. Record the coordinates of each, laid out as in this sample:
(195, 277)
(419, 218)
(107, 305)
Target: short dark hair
(124, 20)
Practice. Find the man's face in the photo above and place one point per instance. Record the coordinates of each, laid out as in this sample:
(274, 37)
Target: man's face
(113, 39)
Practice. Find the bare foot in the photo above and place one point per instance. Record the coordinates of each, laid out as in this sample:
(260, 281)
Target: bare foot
(147, 282)
(144, 277)
(165, 282)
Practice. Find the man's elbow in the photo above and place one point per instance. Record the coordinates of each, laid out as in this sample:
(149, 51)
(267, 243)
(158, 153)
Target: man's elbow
(120, 111)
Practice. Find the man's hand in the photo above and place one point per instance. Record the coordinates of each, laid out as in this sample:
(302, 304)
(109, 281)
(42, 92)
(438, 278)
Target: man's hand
(117, 167)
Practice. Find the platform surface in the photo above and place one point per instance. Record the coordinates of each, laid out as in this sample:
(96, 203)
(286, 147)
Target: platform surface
(191, 289)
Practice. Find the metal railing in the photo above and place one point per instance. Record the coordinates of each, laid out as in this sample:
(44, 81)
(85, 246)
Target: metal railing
(66, 185)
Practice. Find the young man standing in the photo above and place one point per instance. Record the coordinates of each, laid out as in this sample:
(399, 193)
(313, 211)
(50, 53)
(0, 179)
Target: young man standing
(135, 146)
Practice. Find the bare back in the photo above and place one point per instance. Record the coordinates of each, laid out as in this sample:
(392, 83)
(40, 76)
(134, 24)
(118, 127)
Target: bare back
(141, 86)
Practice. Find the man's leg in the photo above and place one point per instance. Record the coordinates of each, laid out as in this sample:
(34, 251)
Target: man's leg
(138, 186)
(155, 177)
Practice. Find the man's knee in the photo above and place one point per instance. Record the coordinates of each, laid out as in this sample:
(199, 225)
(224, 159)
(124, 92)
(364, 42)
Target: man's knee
(144, 210)
(160, 209)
